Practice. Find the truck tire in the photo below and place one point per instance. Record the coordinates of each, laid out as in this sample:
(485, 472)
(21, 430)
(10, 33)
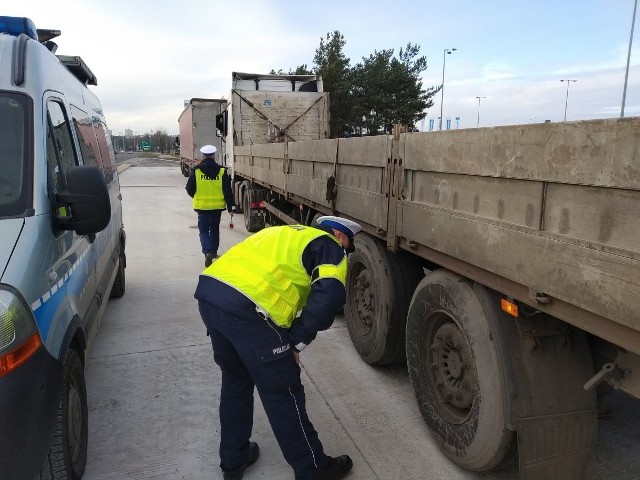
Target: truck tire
(253, 223)
(184, 169)
(314, 220)
(68, 450)
(379, 286)
(456, 369)
(119, 284)
(238, 194)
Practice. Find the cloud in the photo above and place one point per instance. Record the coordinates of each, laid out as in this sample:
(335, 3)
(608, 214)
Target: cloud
(150, 56)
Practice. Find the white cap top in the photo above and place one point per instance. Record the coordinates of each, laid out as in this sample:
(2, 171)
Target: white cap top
(208, 150)
(343, 225)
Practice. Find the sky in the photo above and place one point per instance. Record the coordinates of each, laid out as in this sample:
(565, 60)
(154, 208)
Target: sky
(150, 56)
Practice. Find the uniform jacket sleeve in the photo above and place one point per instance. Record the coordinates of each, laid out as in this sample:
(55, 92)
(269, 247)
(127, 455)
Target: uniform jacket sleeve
(327, 295)
(226, 190)
(191, 184)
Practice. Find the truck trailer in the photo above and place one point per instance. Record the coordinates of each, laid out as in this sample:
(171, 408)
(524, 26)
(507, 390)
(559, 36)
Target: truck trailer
(197, 127)
(501, 263)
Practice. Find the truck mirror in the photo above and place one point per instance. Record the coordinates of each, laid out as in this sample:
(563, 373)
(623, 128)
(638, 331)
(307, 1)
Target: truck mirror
(221, 124)
(177, 141)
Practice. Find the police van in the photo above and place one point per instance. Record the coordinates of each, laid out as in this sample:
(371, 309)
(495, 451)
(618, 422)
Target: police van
(62, 250)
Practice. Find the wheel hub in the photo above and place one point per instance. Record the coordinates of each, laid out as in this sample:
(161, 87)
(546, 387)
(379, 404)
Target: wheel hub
(452, 371)
(364, 300)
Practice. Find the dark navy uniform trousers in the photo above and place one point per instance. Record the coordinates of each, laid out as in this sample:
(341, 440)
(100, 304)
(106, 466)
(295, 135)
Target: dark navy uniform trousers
(209, 228)
(252, 351)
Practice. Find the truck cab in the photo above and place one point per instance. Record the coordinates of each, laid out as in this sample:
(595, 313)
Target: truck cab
(62, 249)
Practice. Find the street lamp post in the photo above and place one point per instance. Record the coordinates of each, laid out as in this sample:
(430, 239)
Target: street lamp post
(566, 100)
(478, 124)
(626, 75)
(447, 51)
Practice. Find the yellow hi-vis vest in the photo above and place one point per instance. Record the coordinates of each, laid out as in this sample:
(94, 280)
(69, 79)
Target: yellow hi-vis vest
(267, 268)
(208, 194)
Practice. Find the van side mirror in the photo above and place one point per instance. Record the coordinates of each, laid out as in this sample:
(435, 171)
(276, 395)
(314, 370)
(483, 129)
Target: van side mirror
(87, 196)
(221, 124)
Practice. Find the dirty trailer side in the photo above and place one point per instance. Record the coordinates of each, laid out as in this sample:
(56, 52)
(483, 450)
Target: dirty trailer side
(502, 261)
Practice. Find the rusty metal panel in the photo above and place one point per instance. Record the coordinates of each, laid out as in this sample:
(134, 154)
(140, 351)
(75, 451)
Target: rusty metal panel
(594, 152)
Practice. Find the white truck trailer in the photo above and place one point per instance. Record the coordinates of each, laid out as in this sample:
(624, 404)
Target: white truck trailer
(197, 128)
(502, 263)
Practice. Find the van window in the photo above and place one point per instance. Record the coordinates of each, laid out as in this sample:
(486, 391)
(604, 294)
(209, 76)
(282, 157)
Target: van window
(106, 150)
(87, 140)
(94, 144)
(60, 152)
(15, 115)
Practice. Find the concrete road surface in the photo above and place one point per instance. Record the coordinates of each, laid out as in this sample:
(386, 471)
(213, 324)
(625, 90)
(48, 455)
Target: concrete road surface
(153, 386)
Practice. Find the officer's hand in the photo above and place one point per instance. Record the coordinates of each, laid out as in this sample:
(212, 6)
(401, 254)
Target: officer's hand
(296, 357)
(232, 209)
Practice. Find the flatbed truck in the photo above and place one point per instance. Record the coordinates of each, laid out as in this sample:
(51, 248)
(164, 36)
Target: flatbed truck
(502, 263)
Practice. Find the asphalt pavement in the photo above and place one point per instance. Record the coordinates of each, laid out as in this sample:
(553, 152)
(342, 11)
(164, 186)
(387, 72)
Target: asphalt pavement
(153, 386)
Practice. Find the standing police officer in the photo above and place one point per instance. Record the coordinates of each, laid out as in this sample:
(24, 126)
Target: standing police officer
(263, 302)
(210, 186)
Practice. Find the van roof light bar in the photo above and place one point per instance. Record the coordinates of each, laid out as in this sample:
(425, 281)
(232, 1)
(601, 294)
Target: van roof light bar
(17, 25)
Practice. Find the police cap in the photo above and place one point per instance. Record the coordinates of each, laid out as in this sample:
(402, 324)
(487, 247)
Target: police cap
(348, 227)
(208, 150)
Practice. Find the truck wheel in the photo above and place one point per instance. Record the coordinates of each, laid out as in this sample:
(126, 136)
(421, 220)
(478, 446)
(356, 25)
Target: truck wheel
(379, 285)
(455, 368)
(314, 220)
(68, 450)
(238, 194)
(118, 288)
(253, 223)
(184, 169)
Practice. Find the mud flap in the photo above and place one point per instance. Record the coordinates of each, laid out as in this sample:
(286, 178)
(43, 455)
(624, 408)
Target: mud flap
(548, 362)
(556, 446)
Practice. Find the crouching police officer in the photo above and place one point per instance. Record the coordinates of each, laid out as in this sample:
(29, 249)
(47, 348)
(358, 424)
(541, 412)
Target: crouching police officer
(263, 302)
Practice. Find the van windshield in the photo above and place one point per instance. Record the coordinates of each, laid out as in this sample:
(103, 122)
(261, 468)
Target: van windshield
(15, 114)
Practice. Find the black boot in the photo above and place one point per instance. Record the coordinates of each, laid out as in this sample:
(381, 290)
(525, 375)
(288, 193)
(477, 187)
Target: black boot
(336, 468)
(237, 473)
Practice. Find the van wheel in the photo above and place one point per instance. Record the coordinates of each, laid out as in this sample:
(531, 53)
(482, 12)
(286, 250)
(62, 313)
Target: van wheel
(455, 367)
(118, 288)
(68, 450)
(379, 287)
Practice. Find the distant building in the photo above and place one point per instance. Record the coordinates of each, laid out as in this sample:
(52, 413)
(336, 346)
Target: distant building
(128, 132)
